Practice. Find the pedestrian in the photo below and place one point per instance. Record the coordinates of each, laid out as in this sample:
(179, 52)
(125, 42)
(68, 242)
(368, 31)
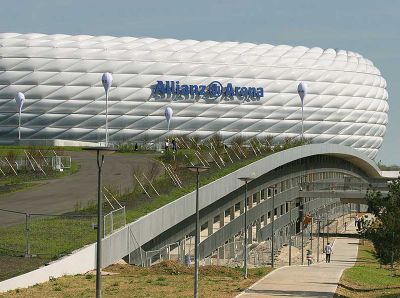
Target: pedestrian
(166, 145)
(359, 224)
(355, 221)
(328, 252)
(136, 147)
(174, 147)
(309, 257)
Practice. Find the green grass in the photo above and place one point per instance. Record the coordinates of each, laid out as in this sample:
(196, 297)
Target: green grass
(49, 237)
(367, 278)
(19, 150)
(367, 273)
(173, 193)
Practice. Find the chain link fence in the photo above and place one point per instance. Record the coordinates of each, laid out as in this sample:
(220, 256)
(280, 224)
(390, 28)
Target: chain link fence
(44, 235)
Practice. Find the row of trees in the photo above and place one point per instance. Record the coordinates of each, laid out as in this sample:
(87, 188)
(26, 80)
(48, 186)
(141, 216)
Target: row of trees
(384, 231)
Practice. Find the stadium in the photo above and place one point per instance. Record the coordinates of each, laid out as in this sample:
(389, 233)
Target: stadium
(234, 89)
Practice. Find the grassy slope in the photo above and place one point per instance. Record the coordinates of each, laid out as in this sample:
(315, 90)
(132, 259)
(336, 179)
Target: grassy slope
(26, 180)
(367, 278)
(19, 150)
(168, 279)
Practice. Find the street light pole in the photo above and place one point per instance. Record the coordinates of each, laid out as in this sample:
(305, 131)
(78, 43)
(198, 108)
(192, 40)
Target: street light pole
(19, 99)
(106, 80)
(327, 227)
(302, 230)
(100, 151)
(272, 226)
(319, 230)
(245, 180)
(100, 162)
(198, 170)
(290, 232)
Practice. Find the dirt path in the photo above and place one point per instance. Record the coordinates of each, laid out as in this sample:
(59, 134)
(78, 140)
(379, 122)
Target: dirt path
(58, 196)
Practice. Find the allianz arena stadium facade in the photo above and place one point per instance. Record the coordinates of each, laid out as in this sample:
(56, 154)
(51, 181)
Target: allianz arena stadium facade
(213, 87)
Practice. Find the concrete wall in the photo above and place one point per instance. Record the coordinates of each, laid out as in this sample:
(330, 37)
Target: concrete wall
(78, 262)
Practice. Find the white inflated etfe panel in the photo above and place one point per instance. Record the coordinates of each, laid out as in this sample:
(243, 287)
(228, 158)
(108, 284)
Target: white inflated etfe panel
(60, 76)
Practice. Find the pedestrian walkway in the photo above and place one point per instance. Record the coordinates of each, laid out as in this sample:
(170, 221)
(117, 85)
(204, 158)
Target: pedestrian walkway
(317, 280)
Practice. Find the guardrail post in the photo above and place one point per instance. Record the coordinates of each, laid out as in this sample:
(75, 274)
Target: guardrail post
(27, 234)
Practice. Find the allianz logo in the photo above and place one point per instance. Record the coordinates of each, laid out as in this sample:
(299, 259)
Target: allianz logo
(211, 91)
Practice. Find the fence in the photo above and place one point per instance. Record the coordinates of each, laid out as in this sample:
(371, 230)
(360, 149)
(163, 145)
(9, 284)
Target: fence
(342, 186)
(231, 253)
(114, 220)
(12, 165)
(44, 235)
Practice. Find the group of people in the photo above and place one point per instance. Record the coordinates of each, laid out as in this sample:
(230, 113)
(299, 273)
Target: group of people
(173, 143)
(359, 222)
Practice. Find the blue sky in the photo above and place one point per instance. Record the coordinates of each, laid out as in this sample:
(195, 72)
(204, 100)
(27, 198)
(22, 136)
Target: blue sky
(368, 27)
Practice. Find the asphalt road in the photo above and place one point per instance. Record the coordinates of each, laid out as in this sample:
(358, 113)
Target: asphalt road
(57, 196)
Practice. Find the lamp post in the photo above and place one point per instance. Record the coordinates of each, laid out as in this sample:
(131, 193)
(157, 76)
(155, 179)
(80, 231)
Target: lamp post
(301, 209)
(327, 227)
(106, 80)
(290, 231)
(302, 91)
(245, 180)
(272, 226)
(319, 231)
(100, 151)
(19, 99)
(197, 170)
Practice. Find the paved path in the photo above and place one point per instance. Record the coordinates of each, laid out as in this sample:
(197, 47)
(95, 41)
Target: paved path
(318, 280)
(57, 196)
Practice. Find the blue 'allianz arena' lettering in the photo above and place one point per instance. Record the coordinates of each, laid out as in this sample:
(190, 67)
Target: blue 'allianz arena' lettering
(213, 90)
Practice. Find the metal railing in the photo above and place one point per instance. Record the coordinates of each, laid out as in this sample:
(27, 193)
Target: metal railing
(341, 186)
(114, 220)
(231, 253)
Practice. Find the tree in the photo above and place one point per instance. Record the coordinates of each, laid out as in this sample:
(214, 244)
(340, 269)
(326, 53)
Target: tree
(384, 232)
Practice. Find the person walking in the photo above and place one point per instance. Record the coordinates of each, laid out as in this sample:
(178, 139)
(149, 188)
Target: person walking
(174, 146)
(166, 145)
(328, 252)
(359, 222)
(310, 258)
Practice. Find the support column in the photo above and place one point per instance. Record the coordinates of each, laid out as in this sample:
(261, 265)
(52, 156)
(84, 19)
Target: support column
(250, 202)
(231, 250)
(221, 252)
(210, 226)
(258, 198)
(221, 219)
(250, 234)
(232, 213)
(258, 228)
(266, 219)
